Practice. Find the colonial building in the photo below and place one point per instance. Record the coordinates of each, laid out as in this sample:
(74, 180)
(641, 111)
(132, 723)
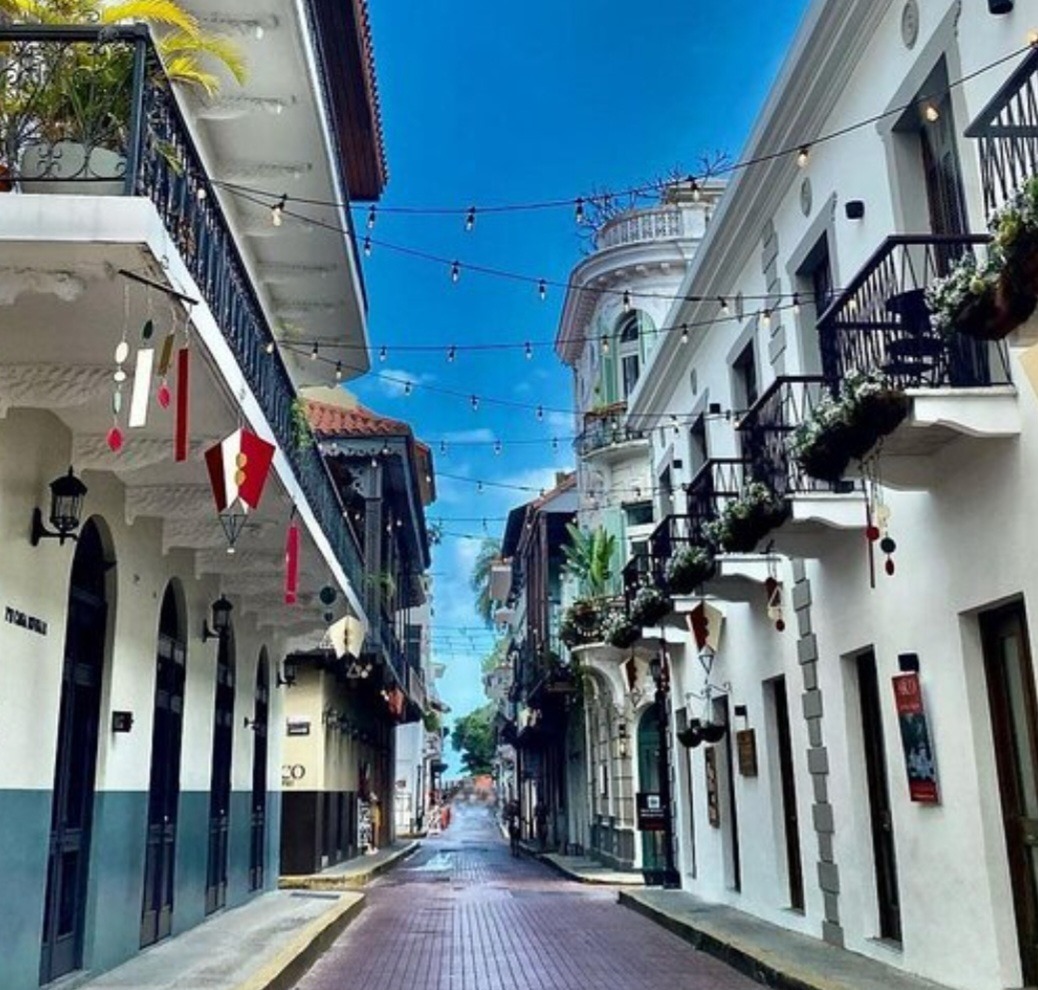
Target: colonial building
(852, 692)
(611, 327)
(153, 479)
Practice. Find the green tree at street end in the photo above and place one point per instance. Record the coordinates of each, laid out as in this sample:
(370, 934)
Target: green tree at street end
(473, 737)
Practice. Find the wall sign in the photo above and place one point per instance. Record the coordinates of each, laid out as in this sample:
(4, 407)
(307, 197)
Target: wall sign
(122, 721)
(713, 804)
(920, 760)
(746, 746)
(297, 726)
(23, 621)
(651, 813)
(291, 773)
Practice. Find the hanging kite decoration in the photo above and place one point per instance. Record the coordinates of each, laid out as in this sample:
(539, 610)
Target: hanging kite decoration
(773, 591)
(292, 560)
(238, 466)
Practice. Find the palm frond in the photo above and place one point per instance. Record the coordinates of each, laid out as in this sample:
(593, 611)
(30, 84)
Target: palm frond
(166, 12)
(185, 69)
(217, 46)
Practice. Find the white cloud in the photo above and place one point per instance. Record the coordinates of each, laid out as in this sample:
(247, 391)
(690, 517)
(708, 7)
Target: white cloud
(393, 382)
(479, 435)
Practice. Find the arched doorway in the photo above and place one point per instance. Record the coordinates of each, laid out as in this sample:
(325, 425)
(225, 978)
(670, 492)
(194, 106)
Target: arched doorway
(164, 790)
(260, 717)
(220, 780)
(649, 782)
(76, 760)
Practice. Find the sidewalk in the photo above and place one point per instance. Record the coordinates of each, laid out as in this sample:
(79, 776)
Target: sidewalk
(266, 944)
(769, 954)
(583, 869)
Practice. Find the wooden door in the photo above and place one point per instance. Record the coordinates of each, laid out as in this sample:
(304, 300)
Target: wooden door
(881, 821)
(164, 789)
(794, 866)
(1014, 716)
(75, 763)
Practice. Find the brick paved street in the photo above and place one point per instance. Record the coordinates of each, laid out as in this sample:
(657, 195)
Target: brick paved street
(464, 915)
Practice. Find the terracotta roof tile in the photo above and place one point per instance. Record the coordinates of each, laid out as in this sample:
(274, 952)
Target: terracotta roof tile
(339, 421)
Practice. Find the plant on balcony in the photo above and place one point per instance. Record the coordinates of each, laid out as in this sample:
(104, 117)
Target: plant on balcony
(589, 559)
(65, 107)
(688, 567)
(847, 426)
(649, 605)
(581, 624)
(619, 631)
(302, 431)
(746, 520)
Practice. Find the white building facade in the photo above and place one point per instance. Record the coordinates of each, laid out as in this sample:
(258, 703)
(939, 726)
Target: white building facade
(819, 810)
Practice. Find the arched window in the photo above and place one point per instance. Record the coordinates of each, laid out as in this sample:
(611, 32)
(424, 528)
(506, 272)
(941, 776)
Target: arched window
(629, 351)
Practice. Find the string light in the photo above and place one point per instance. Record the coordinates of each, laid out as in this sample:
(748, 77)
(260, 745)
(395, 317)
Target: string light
(455, 271)
(277, 211)
(540, 414)
(452, 352)
(313, 353)
(338, 371)
(578, 213)
(371, 218)
(725, 311)
(528, 351)
(497, 446)
(766, 318)
(200, 194)
(269, 347)
(479, 487)
(542, 289)
(383, 353)
(605, 344)
(803, 155)
(407, 388)
(474, 401)
(796, 304)
(931, 113)
(554, 443)
(367, 245)
(470, 218)
(443, 446)
(697, 193)
(684, 333)
(627, 301)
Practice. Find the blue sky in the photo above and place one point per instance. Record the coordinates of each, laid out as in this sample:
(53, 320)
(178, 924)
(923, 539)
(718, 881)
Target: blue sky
(489, 103)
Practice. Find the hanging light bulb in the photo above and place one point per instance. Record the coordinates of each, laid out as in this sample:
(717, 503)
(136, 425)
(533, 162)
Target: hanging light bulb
(470, 218)
(931, 113)
(627, 301)
(338, 371)
(443, 446)
(542, 289)
(765, 318)
(579, 211)
(479, 487)
(374, 461)
(367, 245)
(200, 194)
(269, 347)
(803, 155)
(528, 350)
(385, 449)
(407, 387)
(684, 333)
(605, 344)
(474, 402)
(725, 311)
(383, 353)
(455, 272)
(674, 422)
(540, 414)
(497, 446)
(452, 353)
(796, 303)
(554, 443)
(313, 353)
(277, 211)
(697, 193)
(371, 218)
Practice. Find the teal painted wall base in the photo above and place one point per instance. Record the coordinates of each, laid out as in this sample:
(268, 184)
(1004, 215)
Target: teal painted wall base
(116, 879)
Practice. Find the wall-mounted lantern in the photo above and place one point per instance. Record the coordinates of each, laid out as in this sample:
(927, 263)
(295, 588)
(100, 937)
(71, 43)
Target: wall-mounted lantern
(66, 507)
(286, 676)
(221, 620)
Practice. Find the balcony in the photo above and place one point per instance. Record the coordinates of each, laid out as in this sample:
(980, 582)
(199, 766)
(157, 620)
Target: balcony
(958, 387)
(128, 140)
(639, 226)
(606, 432)
(1007, 132)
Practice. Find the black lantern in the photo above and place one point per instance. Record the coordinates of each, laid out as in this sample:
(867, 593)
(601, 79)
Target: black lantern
(1000, 6)
(221, 620)
(286, 676)
(66, 505)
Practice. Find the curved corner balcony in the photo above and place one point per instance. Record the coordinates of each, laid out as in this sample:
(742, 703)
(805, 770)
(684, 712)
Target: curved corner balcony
(658, 223)
(605, 430)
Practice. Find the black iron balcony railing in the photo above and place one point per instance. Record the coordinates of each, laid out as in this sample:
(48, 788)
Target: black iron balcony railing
(606, 428)
(393, 652)
(881, 322)
(636, 572)
(1007, 129)
(92, 105)
(670, 535)
(766, 432)
(715, 484)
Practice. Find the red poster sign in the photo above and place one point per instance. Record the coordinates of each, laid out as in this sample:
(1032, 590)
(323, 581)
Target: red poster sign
(920, 761)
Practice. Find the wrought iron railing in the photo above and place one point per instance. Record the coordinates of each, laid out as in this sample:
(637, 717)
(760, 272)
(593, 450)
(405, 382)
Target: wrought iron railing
(53, 95)
(674, 532)
(636, 572)
(881, 322)
(766, 431)
(393, 652)
(715, 484)
(606, 428)
(1007, 129)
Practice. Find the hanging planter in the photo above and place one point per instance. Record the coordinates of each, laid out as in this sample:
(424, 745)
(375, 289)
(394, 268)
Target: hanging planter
(649, 606)
(692, 736)
(713, 732)
(581, 624)
(688, 567)
(745, 521)
(620, 631)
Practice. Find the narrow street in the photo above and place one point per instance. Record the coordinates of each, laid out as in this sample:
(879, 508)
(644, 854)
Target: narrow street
(464, 915)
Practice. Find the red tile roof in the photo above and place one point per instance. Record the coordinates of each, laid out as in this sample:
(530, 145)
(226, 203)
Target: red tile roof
(339, 421)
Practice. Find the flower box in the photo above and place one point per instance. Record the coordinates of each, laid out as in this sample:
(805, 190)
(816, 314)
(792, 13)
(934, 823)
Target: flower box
(619, 631)
(649, 606)
(744, 522)
(687, 568)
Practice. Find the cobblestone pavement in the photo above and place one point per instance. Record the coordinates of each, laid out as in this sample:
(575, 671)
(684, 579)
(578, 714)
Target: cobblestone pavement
(464, 915)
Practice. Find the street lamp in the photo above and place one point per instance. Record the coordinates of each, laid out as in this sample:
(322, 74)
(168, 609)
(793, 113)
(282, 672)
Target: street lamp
(221, 620)
(660, 672)
(66, 505)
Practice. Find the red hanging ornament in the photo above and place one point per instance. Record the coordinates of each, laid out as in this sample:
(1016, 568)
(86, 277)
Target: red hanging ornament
(163, 395)
(114, 439)
(180, 429)
(291, 563)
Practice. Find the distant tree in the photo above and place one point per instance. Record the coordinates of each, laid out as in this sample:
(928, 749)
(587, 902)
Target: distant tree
(473, 737)
(479, 579)
(589, 559)
(496, 656)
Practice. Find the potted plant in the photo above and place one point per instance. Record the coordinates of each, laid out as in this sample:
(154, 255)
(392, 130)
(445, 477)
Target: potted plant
(688, 567)
(65, 107)
(746, 520)
(619, 631)
(649, 605)
(976, 300)
(580, 626)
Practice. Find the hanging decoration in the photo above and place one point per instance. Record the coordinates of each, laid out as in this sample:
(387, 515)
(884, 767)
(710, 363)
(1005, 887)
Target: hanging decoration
(292, 560)
(114, 437)
(181, 426)
(773, 592)
(238, 468)
(877, 523)
(143, 366)
(165, 362)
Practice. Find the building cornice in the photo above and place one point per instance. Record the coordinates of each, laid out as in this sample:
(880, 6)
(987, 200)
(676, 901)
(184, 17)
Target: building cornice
(825, 52)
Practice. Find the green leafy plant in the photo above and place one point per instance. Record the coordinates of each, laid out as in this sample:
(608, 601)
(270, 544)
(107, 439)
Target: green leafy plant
(619, 631)
(479, 580)
(302, 431)
(589, 559)
(687, 568)
(746, 520)
(581, 623)
(649, 605)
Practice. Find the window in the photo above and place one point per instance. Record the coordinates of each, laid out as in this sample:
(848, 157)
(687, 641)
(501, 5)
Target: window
(744, 375)
(639, 513)
(697, 446)
(630, 353)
